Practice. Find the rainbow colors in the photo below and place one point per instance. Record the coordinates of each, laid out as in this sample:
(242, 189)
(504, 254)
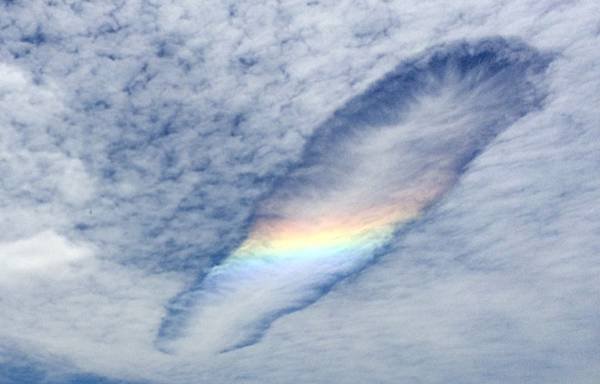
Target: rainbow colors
(298, 239)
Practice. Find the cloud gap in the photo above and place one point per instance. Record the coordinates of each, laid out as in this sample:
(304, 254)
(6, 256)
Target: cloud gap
(372, 169)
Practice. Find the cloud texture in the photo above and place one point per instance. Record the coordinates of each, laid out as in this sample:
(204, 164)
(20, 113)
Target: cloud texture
(163, 165)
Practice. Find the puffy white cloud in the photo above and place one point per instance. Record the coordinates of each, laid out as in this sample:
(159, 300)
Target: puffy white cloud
(45, 252)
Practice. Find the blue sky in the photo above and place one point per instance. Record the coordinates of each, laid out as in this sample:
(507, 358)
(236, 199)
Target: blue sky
(142, 143)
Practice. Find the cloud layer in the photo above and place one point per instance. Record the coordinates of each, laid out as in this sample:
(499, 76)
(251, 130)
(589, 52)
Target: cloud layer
(142, 144)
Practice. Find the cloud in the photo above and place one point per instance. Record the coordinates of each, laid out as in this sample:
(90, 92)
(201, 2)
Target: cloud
(60, 300)
(37, 175)
(45, 251)
(381, 161)
(143, 143)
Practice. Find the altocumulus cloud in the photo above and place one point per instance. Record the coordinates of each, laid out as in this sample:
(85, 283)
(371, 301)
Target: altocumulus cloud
(350, 192)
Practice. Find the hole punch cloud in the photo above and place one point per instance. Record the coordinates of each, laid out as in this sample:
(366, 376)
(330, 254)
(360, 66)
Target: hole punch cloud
(373, 168)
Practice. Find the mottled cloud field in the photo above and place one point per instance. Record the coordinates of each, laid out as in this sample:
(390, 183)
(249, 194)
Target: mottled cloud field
(309, 192)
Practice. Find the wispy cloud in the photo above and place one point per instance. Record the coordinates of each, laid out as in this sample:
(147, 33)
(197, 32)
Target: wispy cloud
(375, 166)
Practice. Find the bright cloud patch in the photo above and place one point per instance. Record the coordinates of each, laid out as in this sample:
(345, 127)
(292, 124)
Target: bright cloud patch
(46, 252)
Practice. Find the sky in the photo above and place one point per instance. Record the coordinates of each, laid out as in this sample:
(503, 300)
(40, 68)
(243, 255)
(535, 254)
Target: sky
(283, 192)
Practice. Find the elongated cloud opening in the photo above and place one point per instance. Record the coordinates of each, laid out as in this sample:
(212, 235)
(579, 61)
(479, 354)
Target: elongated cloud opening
(375, 166)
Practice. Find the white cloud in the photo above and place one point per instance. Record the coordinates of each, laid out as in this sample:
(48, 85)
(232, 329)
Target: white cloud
(41, 183)
(46, 252)
(60, 301)
(138, 137)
